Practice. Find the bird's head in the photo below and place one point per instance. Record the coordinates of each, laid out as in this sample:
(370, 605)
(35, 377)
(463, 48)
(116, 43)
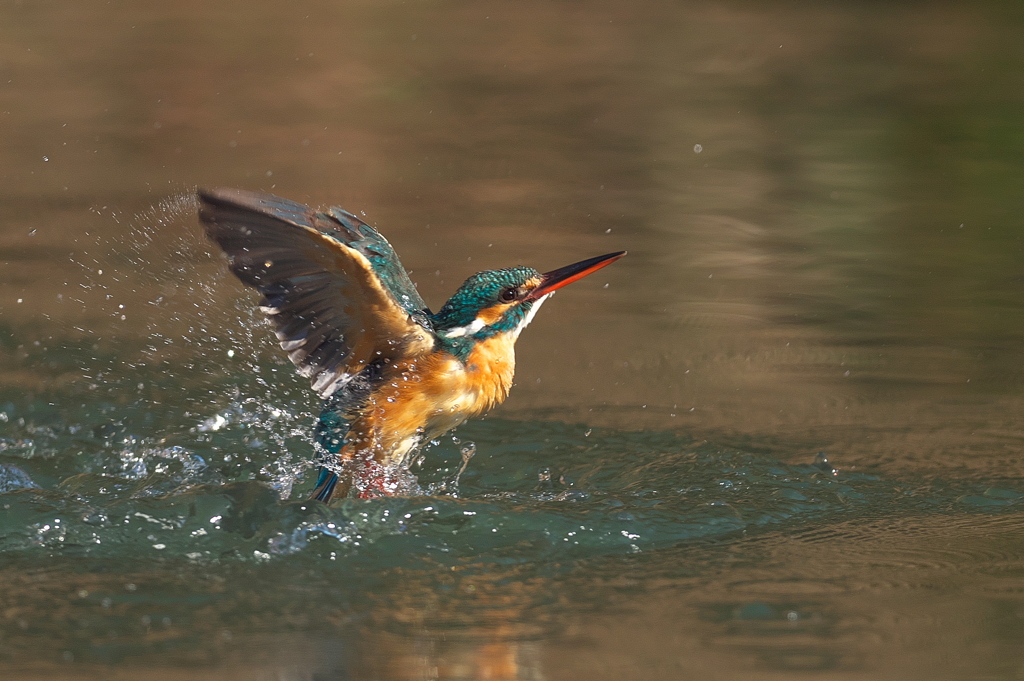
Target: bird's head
(504, 301)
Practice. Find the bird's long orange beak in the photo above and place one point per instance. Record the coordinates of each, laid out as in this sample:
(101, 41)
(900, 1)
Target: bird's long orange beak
(563, 276)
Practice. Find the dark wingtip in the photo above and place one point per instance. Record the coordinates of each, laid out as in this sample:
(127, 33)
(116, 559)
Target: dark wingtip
(212, 194)
(211, 201)
(221, 203)
(239, 198)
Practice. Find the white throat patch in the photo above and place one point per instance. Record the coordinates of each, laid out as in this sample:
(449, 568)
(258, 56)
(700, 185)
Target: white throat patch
(529, 315)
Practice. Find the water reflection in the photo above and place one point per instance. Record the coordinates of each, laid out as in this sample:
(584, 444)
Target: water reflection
(862, 597)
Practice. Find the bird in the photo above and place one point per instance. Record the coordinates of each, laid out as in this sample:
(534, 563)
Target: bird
(392, 374)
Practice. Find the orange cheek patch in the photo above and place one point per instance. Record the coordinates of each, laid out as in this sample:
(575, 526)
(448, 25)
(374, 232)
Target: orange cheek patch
(489, 315)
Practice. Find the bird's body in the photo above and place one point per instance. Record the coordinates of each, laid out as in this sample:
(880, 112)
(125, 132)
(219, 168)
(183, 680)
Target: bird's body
(392, 374)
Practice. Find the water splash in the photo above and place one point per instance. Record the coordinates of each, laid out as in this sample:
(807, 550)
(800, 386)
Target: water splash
(13, 478)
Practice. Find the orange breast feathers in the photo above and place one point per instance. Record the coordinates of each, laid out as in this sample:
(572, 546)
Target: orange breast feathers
(423, 398)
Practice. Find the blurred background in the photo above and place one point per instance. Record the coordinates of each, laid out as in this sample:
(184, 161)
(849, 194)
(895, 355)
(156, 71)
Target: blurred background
(822, 206)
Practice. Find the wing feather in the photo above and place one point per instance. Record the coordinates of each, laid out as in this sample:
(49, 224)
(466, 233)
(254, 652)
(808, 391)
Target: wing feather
(332, 287)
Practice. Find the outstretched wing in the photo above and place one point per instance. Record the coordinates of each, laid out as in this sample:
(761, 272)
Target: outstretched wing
(334, 290)
(354, 233)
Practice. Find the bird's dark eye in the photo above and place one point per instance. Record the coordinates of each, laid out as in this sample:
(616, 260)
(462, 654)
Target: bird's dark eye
(509, 294)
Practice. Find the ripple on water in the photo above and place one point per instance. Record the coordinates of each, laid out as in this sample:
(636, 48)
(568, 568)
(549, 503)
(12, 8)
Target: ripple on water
(220, 487)
(203, 512)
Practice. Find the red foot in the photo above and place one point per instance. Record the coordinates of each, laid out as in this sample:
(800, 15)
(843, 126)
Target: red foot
(372, 480)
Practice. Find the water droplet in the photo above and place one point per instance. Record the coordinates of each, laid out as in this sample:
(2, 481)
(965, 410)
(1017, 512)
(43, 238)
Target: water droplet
(697, 148)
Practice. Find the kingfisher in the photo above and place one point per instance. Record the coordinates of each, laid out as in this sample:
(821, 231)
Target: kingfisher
(392, 374)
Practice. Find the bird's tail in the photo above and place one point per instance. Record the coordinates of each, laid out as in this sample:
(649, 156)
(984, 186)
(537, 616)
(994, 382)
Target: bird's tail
(325, 485)
(329, 444)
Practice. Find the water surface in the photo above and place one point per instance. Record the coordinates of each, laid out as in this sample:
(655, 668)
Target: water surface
(822, 207)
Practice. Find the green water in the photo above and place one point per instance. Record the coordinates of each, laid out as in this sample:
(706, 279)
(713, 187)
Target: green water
(822, 206)
(177, 547)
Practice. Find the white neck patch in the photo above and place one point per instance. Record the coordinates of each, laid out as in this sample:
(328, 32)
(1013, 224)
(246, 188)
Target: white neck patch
(467, 330)
(478, 323)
